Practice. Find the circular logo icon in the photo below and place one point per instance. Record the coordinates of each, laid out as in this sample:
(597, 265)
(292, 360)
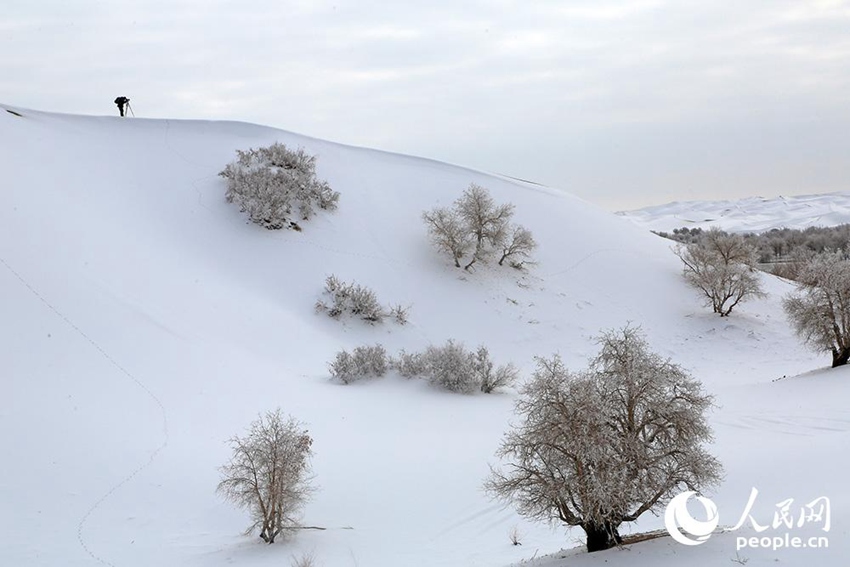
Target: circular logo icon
(677, 518)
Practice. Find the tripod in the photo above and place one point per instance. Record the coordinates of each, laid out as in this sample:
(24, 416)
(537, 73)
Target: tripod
(130, 108)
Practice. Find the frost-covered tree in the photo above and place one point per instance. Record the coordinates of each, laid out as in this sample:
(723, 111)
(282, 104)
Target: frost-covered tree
(723, 267)
(520, 244)
(601, 447)
(478, 227)
(819, 309)
(268, 473)
(276, 185)
(486, 222)
(448, 232)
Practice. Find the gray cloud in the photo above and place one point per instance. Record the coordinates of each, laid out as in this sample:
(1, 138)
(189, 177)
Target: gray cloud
(624, 103)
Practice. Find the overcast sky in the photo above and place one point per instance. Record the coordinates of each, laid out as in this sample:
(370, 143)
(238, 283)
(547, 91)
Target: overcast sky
(624, 103)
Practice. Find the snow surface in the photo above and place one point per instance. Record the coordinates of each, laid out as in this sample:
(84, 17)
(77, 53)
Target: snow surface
(145, 323)
(752, 214)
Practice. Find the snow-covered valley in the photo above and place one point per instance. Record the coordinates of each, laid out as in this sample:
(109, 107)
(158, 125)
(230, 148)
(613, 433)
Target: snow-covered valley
(146, 322)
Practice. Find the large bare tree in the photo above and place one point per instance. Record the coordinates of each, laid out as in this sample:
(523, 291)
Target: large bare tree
(819, 310)
(600, 447)
(268, 473)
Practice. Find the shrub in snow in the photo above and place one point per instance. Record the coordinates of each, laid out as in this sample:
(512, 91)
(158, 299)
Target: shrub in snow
(357, 300)
(819, 309)
(371, 360)
(410, 364)
(452, 367)
(274, 185)
(456, 369)
(723, 268)
(365, 362)
(475, 226)
(399, 314)
(490, 376)
(342, 367)
(268, 473)
(600, 447)
(305, 560)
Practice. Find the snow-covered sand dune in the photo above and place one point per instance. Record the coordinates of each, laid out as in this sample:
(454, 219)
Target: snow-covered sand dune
(752, 214)
(145, 322)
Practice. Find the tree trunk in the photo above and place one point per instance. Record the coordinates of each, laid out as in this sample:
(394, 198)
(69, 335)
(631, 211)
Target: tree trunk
(601, 536)
(840, 356)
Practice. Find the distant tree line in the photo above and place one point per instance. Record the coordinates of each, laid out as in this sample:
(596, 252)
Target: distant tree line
(779, 244)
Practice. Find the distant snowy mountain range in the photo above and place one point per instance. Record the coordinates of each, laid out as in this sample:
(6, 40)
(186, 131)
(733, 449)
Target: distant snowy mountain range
(753, 214)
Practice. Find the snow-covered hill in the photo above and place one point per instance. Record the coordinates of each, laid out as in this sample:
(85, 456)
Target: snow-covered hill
(145, 322)
(753, 214)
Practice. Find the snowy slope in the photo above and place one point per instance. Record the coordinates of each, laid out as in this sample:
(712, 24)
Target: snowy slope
(146, 322)
(752, 214)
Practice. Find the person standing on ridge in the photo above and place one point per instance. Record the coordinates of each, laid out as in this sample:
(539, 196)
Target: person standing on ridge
(122, 101)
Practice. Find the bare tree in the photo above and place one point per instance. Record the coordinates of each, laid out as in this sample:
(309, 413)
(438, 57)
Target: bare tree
(448, 232)
(600, 447)
(486, 221)
(520, 244)
(477, 224)
(723, 267)
(819, 309)
(268, 473)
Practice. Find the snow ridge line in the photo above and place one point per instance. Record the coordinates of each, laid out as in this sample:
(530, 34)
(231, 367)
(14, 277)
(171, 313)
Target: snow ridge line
(126, 373)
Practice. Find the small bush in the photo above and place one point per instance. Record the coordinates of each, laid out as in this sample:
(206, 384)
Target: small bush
(359, 301)
(275, 184)
(452, 367)
(493, 377)
(371, 360)
(343, 368)
(411, 364)
(399, 314)
(365, 362)
(305, 560)
(456, 369)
